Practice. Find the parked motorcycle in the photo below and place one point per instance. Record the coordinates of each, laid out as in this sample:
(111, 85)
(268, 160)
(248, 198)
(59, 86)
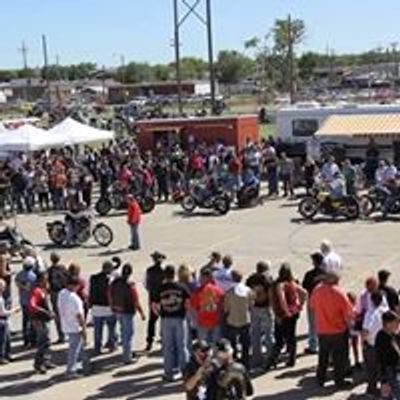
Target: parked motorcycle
(12, 239)
(115, 198)
(321, 203)
(198, 198)
(83, 231)
(375, 200)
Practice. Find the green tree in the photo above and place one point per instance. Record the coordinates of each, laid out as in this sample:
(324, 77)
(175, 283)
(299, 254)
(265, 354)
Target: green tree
(232, 66)
(161, 72)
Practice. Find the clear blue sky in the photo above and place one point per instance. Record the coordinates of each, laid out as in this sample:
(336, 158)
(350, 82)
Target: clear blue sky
(99, 30)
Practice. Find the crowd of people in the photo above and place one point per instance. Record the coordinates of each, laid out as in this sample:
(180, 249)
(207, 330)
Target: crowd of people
(217, 326)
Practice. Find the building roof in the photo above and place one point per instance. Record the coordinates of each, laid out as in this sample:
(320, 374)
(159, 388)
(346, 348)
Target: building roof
(361, 125)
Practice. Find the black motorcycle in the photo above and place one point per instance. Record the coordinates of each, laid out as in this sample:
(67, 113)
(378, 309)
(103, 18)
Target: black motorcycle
(83, 230)
(116, 199)
(12, 240)
(198, 197)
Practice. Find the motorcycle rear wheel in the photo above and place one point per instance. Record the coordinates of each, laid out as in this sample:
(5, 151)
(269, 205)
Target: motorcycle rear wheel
(147, 204)
(103, 235)
(352, 209)
(367, 205)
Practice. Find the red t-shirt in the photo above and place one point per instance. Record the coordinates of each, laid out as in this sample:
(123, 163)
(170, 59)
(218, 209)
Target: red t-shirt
(206, 301)
(332, 309)
(134, 213)
(37, 300)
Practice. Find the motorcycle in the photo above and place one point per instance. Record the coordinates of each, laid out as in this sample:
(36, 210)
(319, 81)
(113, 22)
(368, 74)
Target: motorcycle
(220, 201)
(115, 198)
(375, 199)
(321, 202)
(83, 230)
(12, 239)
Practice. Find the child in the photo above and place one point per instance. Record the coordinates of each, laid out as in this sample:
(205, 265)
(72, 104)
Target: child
(355, 333)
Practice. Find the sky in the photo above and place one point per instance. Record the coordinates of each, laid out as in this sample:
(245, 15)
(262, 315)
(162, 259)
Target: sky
(142, 30)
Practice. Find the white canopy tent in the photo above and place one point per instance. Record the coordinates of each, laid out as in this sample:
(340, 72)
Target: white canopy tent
(76, 133)
(28, 138)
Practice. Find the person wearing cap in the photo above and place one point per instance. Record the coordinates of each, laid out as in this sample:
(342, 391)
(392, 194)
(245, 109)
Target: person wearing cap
(196, 370)
(172, 303)
(214, 263)
(207, 304)
(58, 276)
(26, 281)
(389, 292)
(262, 322)
(311, 280)
(134, 219)
(388, 355)
(333, 314)
(73, 322)
(227, 379)
(99, 286)
(153, 280)
(223, 275)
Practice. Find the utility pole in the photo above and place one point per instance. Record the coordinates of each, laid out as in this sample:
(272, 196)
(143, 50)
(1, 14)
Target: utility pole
(291, 77)
(24, 51)
(211, 57)
(46, 68)
(178, 56)
(123, 71)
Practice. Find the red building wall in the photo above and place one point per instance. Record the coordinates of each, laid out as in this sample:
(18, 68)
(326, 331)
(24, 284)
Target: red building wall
(233, 131)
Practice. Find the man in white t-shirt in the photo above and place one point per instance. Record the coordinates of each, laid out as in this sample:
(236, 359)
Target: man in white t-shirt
(332, 262)
(73, 324)
(372, 324)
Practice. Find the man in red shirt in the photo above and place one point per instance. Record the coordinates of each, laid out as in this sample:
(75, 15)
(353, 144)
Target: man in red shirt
(206, 302)
(333, 313)
(134, 219)
(39, 309)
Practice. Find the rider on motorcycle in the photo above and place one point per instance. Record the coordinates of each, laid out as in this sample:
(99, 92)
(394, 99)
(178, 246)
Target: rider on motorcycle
(72, 217)
(337, 190)
(392, 189)
(250, 182)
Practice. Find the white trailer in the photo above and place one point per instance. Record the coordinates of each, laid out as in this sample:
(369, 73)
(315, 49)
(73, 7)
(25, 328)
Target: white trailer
(297, 124)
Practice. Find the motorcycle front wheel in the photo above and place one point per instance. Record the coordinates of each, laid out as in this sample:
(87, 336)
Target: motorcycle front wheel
(367, 205)
(308, 208)
(57, 233)
(222, 205)
(103, 206)
(103, 235)
(188, 204)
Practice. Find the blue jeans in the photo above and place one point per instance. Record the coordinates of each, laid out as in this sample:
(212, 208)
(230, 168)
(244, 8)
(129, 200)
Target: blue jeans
(135, 240)
(98, 323)
(312, 334)
(127, 331)
(43, 343)
(210, 335)
(174, 332)
(262, 333)
(75, 343)
(4, 340)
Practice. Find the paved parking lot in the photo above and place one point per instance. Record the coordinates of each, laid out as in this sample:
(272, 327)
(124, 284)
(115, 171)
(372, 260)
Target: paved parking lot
(272, 231)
